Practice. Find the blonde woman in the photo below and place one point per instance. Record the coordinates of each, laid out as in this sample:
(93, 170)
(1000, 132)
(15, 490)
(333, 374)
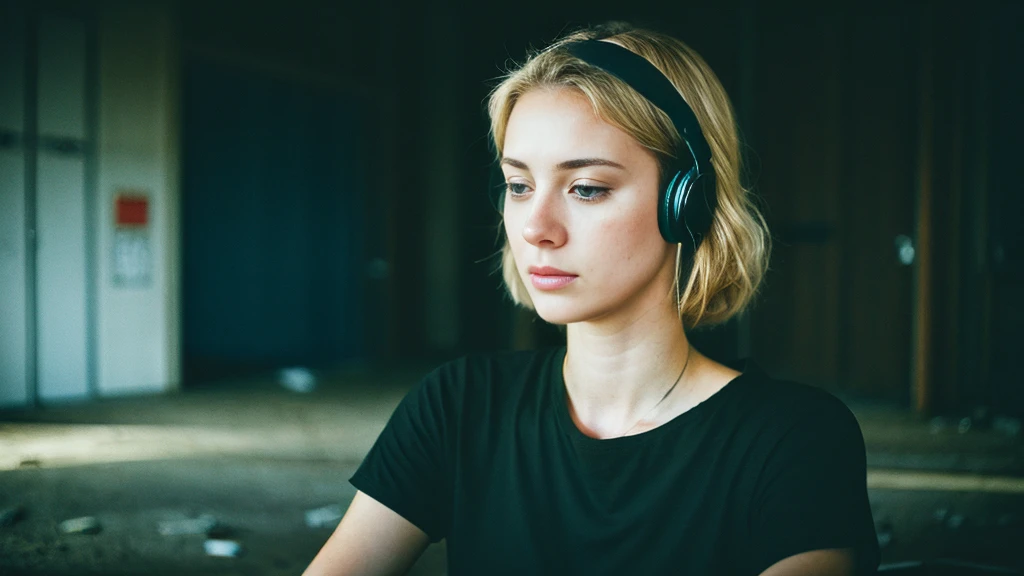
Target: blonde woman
(626, 451)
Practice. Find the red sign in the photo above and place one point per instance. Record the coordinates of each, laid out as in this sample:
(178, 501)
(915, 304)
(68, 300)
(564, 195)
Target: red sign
(131, 210)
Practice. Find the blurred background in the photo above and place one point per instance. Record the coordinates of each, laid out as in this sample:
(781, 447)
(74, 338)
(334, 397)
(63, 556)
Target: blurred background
(232, 235)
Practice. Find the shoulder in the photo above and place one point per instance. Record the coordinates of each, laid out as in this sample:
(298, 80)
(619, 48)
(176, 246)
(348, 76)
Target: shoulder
(494, 365)
(808, 476)
(500, 373)
(478, 392)
(787, 412)
(788, 400)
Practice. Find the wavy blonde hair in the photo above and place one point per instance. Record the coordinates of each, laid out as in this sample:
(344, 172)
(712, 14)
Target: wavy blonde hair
(732, 259)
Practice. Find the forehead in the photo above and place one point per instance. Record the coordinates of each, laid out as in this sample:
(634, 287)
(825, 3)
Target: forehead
(554, 124)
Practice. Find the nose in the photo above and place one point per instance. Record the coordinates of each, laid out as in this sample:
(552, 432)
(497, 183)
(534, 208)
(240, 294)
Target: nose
(545, 222)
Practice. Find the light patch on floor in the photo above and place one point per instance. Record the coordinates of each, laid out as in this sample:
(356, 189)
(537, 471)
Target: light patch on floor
(888, 479)
(62, 445)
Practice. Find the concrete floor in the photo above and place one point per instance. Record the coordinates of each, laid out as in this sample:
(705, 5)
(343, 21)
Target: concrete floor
(257, 456)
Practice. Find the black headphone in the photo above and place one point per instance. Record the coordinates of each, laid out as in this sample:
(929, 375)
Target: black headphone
(687, 205)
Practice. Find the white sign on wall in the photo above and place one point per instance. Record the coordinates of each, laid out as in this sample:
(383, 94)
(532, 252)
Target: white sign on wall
(133, 256)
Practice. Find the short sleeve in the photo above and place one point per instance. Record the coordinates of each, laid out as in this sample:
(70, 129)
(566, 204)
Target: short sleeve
(406, 469)
(812, 491)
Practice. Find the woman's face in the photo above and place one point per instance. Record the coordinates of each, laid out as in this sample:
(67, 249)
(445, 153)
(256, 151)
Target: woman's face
(581, 212)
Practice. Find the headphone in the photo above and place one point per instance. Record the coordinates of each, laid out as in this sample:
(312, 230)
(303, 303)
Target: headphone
(686, 206)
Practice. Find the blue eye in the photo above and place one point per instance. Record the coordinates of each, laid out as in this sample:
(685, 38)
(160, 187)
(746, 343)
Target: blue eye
(589, 193)
(583, 193)
(515, 188)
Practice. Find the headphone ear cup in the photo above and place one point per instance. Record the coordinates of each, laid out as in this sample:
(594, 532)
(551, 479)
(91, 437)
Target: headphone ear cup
(698, 206)
(669, 207)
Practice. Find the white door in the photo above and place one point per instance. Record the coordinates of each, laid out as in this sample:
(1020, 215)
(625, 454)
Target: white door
(61, 247)
(14, 390)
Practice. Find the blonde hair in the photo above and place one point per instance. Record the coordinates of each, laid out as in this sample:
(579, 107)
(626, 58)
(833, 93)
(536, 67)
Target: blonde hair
(732, 259)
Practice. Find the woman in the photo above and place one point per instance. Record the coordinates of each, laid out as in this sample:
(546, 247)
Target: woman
(627, 451)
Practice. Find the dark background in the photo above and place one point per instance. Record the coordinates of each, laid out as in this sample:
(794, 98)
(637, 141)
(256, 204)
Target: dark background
(861, 121)
(334, 215)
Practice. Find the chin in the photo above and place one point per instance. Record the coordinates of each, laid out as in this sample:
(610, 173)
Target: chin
(561, 312)
(556, 318)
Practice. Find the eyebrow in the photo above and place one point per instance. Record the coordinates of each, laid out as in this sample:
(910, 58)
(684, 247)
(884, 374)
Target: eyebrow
(568, 164)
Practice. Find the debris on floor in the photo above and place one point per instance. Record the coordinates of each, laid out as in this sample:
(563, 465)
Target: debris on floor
(1006, 519)
(324, 517)
(949, 519)
(1007, 426)
(884, 533)
(937, 425)
(83, 525)
(204, 524)
(300, 380)
(11, 515)
(222, 548)
(965, 425)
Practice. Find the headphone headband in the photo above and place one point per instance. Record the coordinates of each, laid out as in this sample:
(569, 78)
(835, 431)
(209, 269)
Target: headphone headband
(687, 205)
(651, 83)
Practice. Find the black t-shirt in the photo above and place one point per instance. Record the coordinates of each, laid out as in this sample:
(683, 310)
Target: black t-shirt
(484, 453)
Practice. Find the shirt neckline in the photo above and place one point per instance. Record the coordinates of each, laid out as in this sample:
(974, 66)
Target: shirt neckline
(557, 389)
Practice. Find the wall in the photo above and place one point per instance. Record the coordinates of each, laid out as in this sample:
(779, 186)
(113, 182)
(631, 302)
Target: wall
(274, 182)
(13, 304)
(138, 328)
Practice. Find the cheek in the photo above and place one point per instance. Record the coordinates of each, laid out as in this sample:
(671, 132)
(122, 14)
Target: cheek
(632, 236)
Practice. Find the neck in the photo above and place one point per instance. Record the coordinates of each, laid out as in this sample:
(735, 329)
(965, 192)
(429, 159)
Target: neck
(616, 374)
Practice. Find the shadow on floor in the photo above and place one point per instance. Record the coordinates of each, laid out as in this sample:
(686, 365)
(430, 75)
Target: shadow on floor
(256, 457)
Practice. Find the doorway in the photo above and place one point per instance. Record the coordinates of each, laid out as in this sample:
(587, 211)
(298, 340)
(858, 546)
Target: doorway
(274, 190)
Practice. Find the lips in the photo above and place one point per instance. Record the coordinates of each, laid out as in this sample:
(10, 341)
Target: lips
(548, 278)
(548, 271)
